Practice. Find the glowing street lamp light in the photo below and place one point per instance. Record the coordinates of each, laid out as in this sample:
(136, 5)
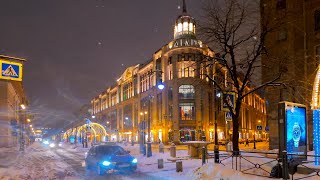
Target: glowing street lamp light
(160, 86)
(28, 120)
(93, 116)
(22, 106)
(30, 125)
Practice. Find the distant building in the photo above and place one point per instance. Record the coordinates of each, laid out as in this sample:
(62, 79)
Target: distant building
(296, 42)
(184, 109)
(12, 95)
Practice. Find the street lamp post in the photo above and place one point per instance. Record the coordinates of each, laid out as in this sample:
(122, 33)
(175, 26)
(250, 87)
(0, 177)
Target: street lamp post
(217, 110)
(149, 151)
(21, 148)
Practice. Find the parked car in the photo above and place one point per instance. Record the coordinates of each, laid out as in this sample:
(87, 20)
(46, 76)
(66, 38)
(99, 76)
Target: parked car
(102, 158)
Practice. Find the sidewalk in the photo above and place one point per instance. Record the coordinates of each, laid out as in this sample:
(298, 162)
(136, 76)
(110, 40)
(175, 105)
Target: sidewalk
(8, 156)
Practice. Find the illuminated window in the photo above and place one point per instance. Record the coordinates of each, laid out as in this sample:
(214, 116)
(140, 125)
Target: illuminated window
(186, 92)
(127, 91)
(113, 98)
(185, 69)
(179, 27)
(185, 26)
(170, 72)
(191, 27)
(187, 111)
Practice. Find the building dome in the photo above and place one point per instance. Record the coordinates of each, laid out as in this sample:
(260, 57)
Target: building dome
(185, 25)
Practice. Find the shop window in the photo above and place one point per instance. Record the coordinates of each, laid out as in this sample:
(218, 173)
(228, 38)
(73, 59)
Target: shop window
(317, 20)
(281, 4)
(187, 111)
(186, 92)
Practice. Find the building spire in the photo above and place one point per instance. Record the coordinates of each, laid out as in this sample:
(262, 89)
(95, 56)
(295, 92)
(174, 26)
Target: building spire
(184, 7)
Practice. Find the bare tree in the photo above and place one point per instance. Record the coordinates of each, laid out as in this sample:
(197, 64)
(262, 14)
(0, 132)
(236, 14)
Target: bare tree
(235, 33)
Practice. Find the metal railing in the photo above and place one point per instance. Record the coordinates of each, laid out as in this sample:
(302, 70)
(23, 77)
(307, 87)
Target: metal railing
(276, 165)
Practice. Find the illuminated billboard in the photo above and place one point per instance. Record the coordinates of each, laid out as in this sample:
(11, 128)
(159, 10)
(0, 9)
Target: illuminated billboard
(293, 129)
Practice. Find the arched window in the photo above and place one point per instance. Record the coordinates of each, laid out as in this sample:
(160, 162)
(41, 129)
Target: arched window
(186, 92)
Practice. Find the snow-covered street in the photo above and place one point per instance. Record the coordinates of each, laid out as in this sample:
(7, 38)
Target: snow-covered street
(67, 162)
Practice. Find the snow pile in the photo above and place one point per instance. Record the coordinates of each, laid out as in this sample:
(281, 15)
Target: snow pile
(37, 162)
(217, 171)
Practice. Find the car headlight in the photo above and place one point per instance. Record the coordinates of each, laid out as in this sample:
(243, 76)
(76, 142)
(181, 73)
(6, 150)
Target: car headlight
(106, 163)
(135, 160)
(60, 144)
(52, 145)
(45, 142)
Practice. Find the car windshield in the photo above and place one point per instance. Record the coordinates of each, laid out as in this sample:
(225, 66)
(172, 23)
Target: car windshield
(108, 150)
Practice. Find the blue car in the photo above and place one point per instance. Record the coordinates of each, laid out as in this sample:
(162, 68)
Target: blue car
(103, 158)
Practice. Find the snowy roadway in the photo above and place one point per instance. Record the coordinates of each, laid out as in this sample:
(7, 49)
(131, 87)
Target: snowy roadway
(39, 162)
(67, 162)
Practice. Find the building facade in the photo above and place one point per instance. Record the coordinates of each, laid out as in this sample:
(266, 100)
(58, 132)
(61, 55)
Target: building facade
(11, 115)
(186, 108)
(295, 43)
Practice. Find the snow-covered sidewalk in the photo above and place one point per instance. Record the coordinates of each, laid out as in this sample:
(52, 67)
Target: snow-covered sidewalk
(35, 163)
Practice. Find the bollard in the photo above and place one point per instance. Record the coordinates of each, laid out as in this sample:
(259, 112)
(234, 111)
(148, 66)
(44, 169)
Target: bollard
(179, 166)
(173, 150)
(161, 148)
(160, 163)
(203, 155)
(216, 153)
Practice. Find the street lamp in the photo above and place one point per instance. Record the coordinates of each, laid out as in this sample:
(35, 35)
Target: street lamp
(22, 119)
(142, 133)
(23, 106)
(28, 120)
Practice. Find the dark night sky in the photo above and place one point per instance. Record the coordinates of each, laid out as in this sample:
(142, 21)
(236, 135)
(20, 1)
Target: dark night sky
(76, 48)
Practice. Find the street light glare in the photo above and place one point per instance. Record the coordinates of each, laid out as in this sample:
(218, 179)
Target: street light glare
(23, 106)
(93, 117)
(28, 120)
(146, 112)
(160, 86)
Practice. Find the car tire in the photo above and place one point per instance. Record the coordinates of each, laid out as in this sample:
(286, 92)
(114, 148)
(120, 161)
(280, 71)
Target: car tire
(99, 170)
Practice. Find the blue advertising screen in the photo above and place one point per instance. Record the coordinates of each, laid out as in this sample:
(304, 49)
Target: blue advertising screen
(296, 130)
(72, 139)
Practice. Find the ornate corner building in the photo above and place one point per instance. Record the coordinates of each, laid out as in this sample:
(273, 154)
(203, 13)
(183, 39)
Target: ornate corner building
(185, 108)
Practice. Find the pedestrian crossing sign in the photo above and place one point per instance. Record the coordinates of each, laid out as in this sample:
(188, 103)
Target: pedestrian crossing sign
(11, 70)
(228, 116)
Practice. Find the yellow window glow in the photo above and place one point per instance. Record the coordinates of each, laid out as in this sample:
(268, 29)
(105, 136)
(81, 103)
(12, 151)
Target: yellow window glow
(191, 27)
(185, 26)
(179, 27)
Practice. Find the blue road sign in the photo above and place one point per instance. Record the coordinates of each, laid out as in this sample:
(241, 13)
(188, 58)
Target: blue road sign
(88, 121)
(259, 128)
(10, 70)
